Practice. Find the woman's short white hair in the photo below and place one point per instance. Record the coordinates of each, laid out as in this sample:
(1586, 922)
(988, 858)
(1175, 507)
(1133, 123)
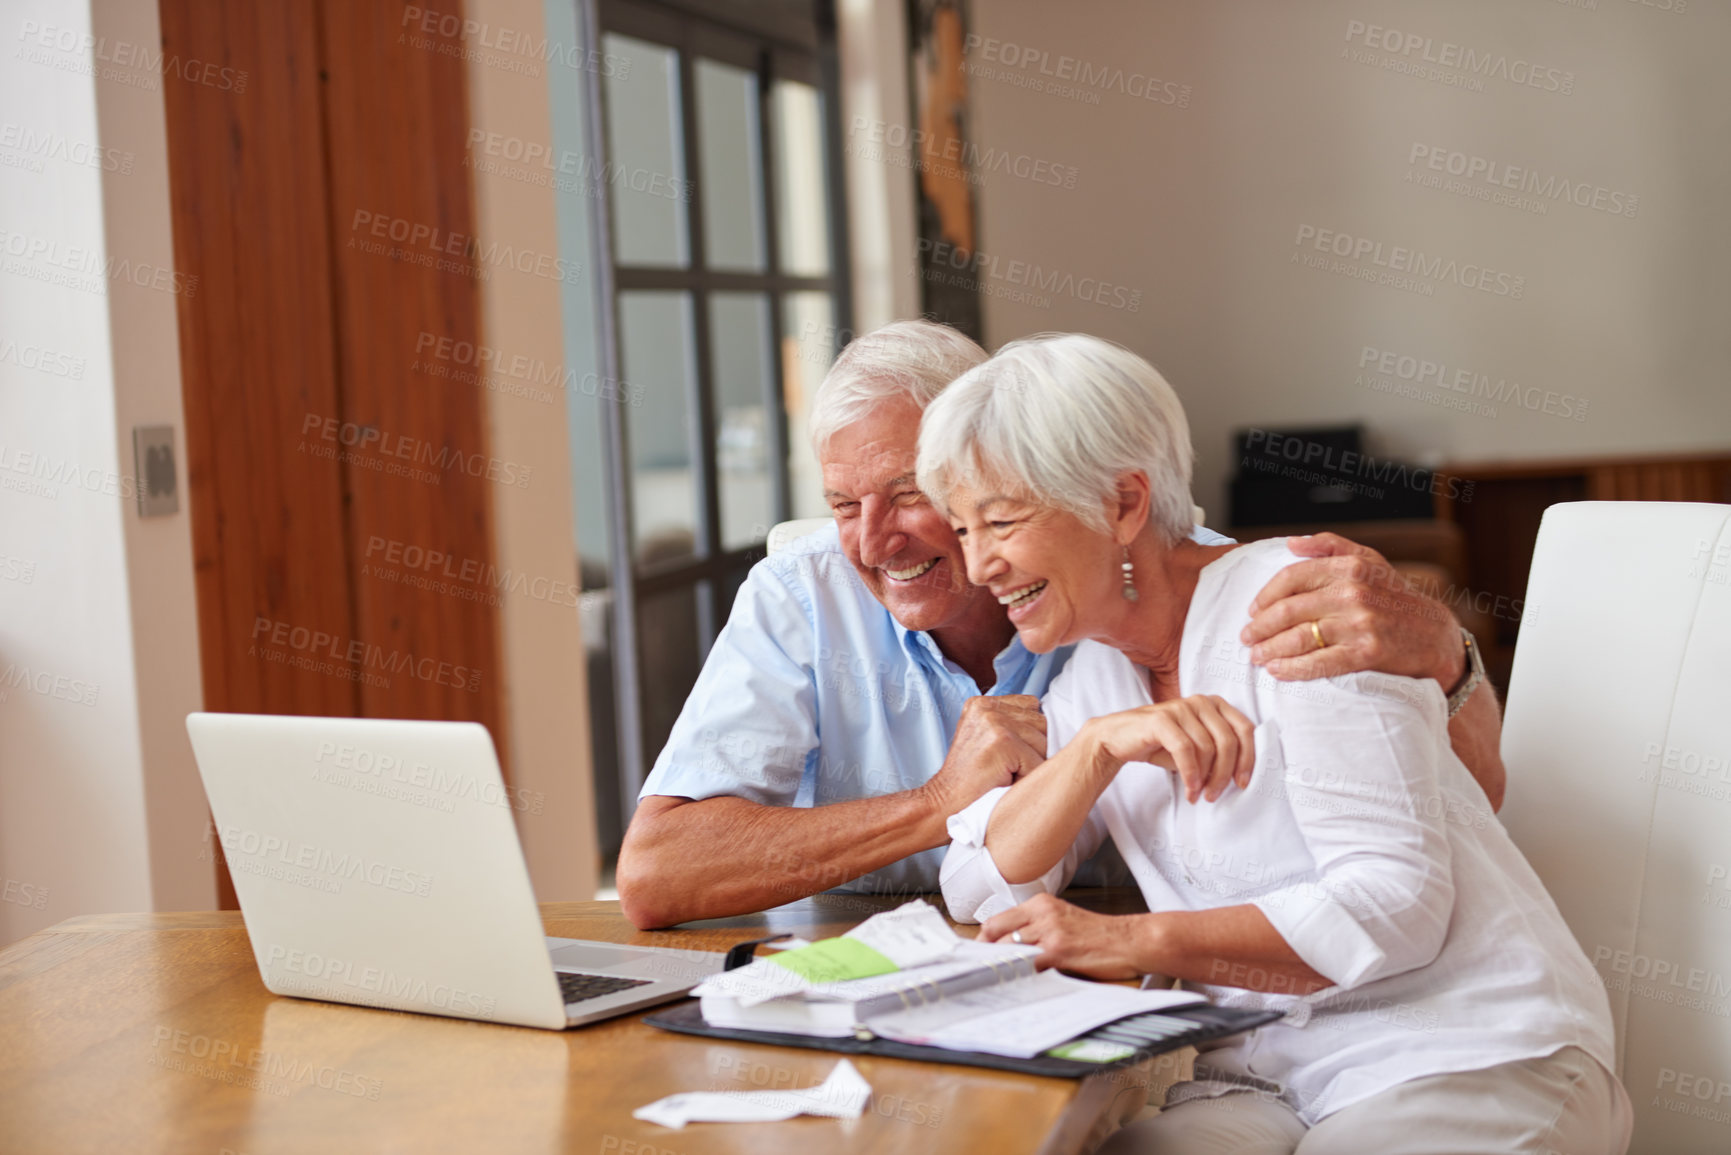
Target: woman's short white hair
(905, 359)
(1060, 418)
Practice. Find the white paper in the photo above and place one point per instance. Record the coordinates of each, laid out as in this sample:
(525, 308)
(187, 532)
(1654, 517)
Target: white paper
(911, 935)
(755, 982)
(967, 957)
(832, 1010)
(843, 1095)
(1022, 1019)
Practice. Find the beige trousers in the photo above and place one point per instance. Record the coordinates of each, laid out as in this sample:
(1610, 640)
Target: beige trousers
(1563, 1104)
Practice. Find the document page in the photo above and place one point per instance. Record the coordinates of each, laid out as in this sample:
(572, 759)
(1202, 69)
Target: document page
(911, 936)
(1023, 1018)
(968, 958)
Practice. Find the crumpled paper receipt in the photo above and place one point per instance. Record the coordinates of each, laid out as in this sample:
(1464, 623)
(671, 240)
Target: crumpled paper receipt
(841, 1096)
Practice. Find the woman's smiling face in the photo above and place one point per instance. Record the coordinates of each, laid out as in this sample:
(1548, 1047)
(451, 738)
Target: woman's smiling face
(1058, 578)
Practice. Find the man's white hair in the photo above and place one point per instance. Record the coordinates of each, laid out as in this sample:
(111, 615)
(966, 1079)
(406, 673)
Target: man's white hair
(905, 359)
(1059, 418)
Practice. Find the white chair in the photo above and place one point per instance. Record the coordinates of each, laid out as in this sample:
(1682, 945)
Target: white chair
(1617, 738)
(789, 531)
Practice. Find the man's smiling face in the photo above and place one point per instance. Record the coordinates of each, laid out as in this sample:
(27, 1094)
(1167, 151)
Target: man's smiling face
(903, 548)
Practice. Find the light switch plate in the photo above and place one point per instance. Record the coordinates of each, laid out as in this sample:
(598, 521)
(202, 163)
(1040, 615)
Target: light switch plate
(153, 466)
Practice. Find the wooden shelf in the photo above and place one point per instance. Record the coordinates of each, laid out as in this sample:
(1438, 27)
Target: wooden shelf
(1500, 519)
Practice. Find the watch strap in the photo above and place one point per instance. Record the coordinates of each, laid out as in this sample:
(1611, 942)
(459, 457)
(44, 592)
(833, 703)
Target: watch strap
(1475, 674)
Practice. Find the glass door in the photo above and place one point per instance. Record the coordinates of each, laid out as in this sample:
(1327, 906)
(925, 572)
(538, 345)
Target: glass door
(718, 192)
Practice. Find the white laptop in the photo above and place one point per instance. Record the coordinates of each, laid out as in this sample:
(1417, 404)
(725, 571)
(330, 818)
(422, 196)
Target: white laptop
(377, 863)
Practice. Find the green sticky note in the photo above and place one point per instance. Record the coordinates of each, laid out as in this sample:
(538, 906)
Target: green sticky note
(1092, 1051)
(833, 960)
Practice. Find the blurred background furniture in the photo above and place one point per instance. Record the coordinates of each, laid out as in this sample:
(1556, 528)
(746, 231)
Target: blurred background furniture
(788, 532)
(1502, 503)
(1322, 480)
(1462, 532)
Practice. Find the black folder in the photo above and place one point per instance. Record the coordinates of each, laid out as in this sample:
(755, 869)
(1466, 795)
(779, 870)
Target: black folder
(1150, 1033)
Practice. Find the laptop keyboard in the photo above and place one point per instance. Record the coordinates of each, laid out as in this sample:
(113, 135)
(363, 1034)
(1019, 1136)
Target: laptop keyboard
(576, 988)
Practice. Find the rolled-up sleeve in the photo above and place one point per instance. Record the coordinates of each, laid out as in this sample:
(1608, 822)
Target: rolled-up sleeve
(1360, 774)
(973, 888)
(749, 726)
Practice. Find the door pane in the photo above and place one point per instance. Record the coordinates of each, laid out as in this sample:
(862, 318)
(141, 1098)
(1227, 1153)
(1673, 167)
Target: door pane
(731, 149)
(645, 170)
(727, 592)
(595, 610)
(739, 336)
(655, 352)
(796, 113)
(808, 345)
(668, 648)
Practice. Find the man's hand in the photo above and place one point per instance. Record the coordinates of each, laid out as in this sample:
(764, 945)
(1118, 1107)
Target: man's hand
(1100, 946)
(1371, 620)
(1368, 617)
(999, 739)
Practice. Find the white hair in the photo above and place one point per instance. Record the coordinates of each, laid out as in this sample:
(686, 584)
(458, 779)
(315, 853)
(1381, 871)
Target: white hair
(914, 360)
(1061, 417)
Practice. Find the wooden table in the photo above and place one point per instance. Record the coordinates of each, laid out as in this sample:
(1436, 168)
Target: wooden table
(151, 1032)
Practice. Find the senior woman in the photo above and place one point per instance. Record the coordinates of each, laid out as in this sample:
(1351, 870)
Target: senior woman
(1351, 874)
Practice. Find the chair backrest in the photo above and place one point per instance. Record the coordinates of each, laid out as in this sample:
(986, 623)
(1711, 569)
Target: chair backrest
(787, 532)
(1617, 738)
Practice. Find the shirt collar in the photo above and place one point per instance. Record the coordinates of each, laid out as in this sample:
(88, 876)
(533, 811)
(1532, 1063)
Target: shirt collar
(916, 641)
(1009, 663)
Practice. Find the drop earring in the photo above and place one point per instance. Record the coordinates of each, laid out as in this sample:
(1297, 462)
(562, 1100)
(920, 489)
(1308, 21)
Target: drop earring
(1130, 593)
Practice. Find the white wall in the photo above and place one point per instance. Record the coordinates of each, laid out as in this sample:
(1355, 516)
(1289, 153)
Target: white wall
(546, 697)
(880, 193)
(144, 331)
(1264, 123)
(98, 630)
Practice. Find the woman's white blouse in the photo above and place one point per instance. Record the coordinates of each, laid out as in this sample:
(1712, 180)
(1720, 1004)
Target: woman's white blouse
(1362, 838)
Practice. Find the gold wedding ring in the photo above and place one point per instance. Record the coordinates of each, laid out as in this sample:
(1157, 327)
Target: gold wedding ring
(1316, 632)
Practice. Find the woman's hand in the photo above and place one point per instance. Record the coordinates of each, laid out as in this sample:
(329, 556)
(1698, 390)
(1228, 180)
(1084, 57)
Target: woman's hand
(1100, 946)
(1203, 737)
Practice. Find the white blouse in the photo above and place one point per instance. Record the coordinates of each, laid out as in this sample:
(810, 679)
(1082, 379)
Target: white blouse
(1362, 838)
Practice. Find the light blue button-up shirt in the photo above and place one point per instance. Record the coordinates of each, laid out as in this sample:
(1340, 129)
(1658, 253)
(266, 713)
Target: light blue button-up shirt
(813, 694)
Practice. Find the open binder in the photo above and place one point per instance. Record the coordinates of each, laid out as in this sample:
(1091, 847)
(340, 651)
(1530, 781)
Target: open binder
(1145, 1035)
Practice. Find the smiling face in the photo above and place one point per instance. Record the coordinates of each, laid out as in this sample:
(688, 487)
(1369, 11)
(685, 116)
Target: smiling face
(902, 547)
(1059, 579)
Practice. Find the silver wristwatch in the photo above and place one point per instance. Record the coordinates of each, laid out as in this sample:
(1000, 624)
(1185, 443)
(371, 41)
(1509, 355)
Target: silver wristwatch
(1471, 679)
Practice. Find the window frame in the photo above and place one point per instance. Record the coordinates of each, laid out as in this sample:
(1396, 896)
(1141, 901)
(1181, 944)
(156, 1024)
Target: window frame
(693, 29)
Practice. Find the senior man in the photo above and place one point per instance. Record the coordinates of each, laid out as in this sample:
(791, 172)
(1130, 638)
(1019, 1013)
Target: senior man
(863, 691)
